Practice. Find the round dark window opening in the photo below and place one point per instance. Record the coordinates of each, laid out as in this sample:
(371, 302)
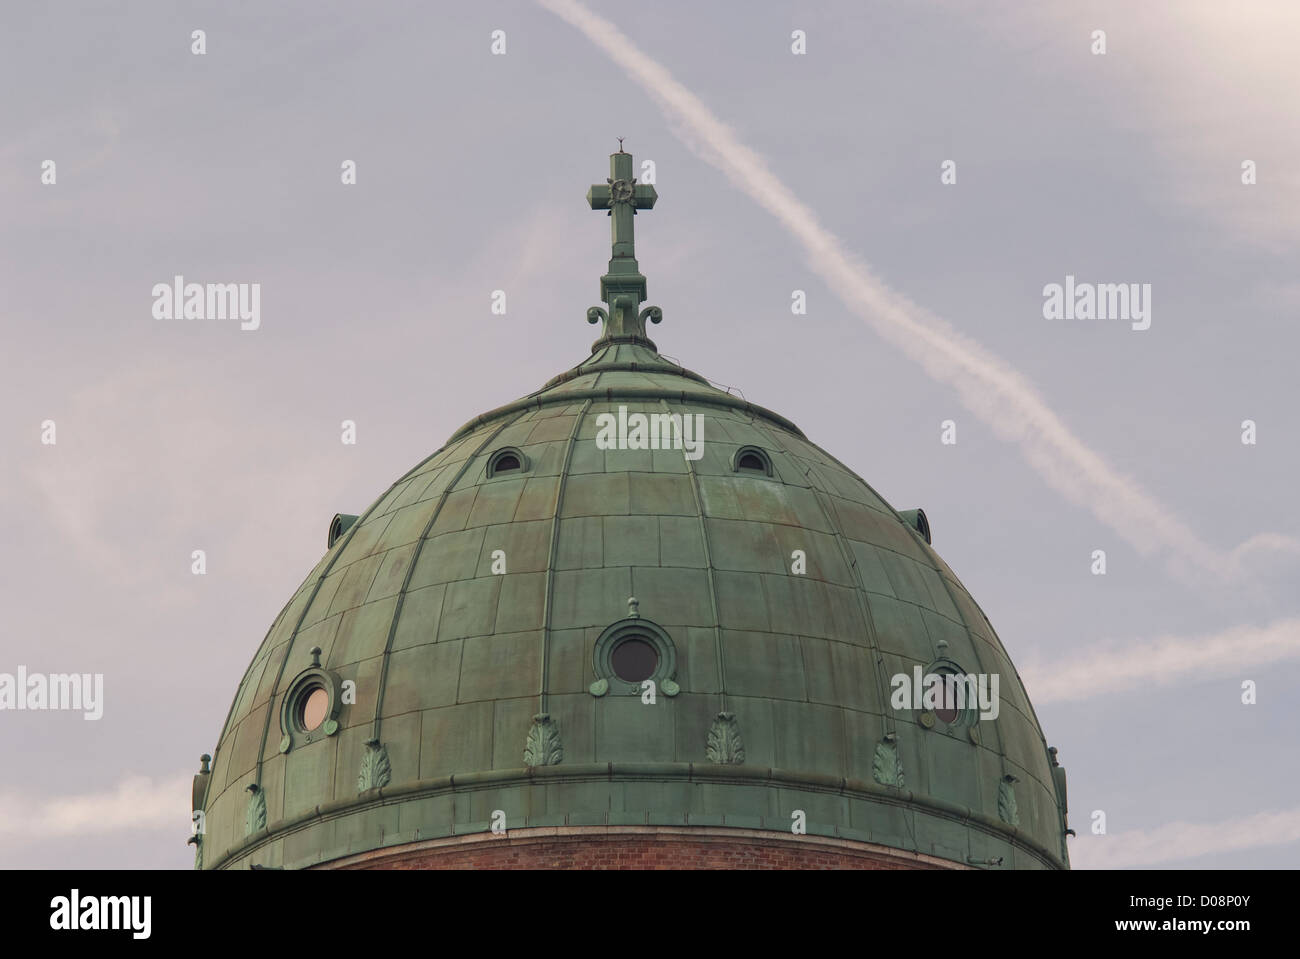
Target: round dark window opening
(951, 708)
(634, 659)
(506, 463)
(750, 461)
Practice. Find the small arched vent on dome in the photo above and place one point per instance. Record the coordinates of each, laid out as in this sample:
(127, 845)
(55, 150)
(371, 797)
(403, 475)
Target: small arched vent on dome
(340, 524)
(751, 459)
(507, 460)
(915, 518)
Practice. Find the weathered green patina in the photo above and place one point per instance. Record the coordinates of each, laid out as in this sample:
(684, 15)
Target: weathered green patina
(475, 607)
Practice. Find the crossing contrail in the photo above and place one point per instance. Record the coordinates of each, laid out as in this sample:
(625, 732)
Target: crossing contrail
(988, 386)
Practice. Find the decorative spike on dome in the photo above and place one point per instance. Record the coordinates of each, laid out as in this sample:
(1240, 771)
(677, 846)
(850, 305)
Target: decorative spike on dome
(623, 288)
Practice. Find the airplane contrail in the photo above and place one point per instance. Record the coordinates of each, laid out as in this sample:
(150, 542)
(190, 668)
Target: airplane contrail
(988, 386)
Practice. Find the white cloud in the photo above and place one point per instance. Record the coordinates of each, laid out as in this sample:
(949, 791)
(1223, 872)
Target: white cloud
(1120, 666)
(136, 802)
(1183, 840)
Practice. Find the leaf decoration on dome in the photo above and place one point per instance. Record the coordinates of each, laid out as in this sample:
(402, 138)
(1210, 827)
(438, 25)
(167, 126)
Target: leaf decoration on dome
(543, 747)
(255, 816)
(1007, 810)
(725, 746)
(886, 767)
(376, 770)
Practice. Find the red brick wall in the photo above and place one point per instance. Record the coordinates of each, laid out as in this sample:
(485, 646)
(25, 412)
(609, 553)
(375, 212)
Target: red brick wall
(600, 848)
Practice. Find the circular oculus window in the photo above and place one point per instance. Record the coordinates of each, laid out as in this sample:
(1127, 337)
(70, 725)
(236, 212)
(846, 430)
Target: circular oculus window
(634, 659)
(315, 707)
(950, 709)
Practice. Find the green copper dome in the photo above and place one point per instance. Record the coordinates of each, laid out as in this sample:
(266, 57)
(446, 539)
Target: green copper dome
(477, 643)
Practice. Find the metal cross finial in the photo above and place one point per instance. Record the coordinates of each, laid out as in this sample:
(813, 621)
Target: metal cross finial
(623, 288)
(622, 196)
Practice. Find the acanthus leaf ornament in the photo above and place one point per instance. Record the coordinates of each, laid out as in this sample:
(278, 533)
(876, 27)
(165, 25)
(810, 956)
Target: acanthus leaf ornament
(543, 746)
(724, 745)
(376, 769)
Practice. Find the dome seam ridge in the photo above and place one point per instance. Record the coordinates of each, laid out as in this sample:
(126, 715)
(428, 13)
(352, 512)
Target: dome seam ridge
(548, 606)
(846, 552)
(720, 656)
(381, 688)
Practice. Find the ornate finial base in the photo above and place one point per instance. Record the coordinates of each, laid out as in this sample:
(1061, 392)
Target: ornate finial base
(624, 326)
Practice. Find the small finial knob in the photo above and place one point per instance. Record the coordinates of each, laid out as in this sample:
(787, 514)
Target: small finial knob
(633, 606)
(315, 655)
(204, 760)
(942, 646)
